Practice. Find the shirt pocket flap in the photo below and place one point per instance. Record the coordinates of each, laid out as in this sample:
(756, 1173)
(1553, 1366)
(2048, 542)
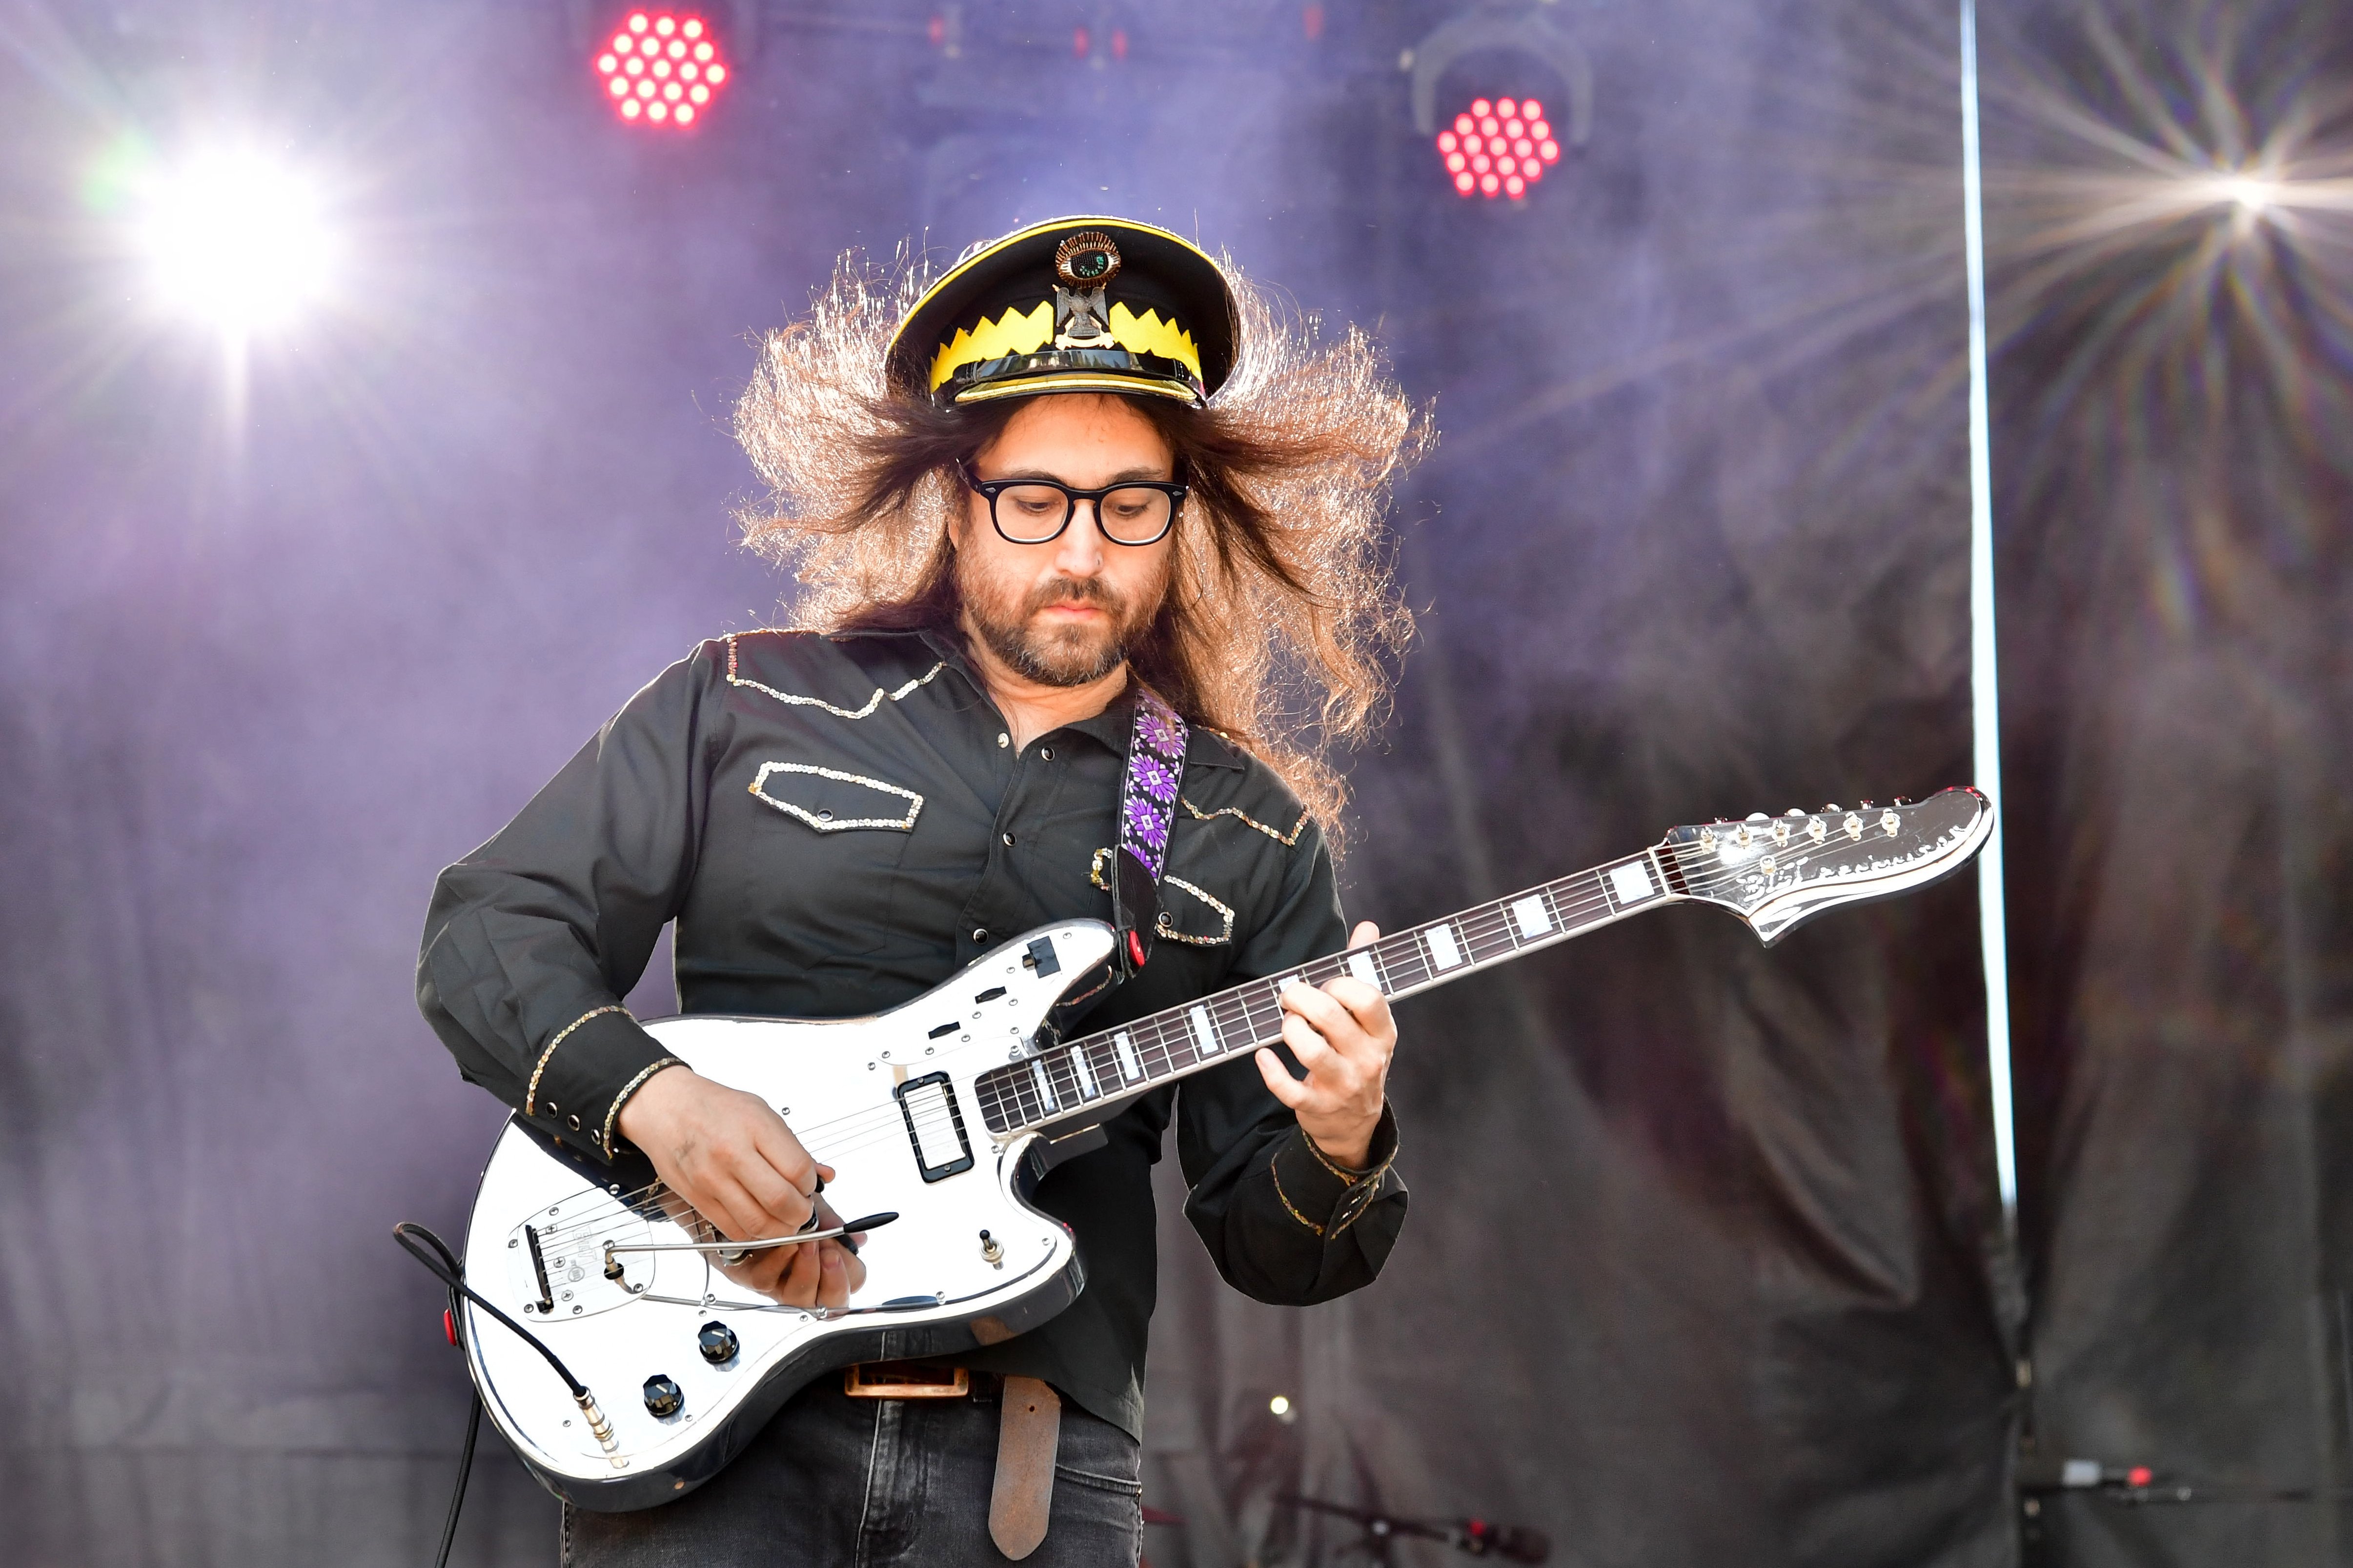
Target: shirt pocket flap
(832, 801)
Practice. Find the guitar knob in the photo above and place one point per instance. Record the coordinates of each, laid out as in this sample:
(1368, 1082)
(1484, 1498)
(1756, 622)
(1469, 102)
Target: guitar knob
(717, 1342)
(662, 1398)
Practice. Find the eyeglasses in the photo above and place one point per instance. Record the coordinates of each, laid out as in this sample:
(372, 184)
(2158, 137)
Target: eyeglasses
(1035, 512)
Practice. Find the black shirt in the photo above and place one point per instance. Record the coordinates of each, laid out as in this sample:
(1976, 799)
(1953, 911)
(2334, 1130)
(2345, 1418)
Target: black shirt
(838, 824)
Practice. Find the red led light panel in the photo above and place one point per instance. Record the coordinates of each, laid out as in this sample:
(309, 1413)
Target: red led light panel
(1498, 147)
(660, 70)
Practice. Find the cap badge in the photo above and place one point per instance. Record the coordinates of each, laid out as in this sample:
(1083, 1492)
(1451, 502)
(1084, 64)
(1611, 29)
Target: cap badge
(1084, 266)
(1088, 260)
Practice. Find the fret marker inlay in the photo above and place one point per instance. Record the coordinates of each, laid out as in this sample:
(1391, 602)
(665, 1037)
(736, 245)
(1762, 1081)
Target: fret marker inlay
(1129, 1067)
(1087, 1089)
(1045, 1084)
(1203, 1031)
(1632, 882)
(1360, 965)
(1533, 918)
(1443, 953)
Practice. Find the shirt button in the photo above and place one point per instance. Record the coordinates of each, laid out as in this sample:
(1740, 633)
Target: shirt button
(980, 933)
(1008, 841)
(1046, 753)
(1003, 739)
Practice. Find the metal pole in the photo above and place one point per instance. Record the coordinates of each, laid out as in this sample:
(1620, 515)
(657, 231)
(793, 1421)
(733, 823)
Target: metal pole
(1984, 671)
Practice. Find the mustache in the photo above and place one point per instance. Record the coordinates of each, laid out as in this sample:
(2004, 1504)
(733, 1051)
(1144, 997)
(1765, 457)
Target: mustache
(1072, 591)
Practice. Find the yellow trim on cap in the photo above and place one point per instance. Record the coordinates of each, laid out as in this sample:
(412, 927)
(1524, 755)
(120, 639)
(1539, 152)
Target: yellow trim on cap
(1011, 333)
(1015, 332)
(1080, 381)
(1148, 335)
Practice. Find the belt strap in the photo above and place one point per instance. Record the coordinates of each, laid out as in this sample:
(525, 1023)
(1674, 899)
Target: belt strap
(1028, 1433)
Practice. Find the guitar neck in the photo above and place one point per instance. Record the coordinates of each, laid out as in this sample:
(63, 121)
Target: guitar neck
(1060, 1083)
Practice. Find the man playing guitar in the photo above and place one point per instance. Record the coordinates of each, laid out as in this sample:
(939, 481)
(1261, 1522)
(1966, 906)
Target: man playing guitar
(1086, 465)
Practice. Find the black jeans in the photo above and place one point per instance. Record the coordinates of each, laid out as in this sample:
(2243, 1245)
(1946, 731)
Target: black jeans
(837, 1482)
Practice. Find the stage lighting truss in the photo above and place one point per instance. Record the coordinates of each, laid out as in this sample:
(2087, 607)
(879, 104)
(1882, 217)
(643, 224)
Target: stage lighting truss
(662, 69)
(1498, 148)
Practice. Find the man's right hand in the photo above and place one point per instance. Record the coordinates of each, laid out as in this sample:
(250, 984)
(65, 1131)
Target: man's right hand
(726, 1153)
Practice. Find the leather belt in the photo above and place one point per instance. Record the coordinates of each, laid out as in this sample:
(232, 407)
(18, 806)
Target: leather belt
(916, 1380)
(1028, 1432)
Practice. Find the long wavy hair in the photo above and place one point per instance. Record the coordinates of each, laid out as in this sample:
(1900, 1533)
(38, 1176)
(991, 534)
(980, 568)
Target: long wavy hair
(1282, 621)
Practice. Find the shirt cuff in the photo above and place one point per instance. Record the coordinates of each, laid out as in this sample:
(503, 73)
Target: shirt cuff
(1322, 1194)
(585, 1072)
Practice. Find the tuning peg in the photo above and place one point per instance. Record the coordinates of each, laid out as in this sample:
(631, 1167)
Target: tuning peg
(1904, 800)
(1862, 805)
(1795, 811)
(1833, 806)
(1758, 817)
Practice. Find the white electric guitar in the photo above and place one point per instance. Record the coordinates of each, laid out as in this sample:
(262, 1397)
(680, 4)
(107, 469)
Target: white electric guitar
(626, 1369)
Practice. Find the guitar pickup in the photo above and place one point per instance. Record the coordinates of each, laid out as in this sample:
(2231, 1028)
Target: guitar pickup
(935, 1126)
(991, 994)
(942, 1030)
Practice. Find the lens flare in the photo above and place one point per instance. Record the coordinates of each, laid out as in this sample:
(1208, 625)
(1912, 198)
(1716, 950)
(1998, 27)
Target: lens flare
(238, 241)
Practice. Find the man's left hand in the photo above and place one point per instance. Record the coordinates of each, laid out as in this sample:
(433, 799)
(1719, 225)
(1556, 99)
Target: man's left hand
(1342, 1034)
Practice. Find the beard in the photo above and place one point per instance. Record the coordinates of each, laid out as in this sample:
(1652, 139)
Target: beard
(1002, 615)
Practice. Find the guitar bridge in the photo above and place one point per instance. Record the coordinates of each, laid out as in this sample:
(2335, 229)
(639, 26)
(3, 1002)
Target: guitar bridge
(935, 1126)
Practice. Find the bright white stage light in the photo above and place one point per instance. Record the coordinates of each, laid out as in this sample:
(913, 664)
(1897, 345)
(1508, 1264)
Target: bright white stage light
(237, 240)
(2247, 191)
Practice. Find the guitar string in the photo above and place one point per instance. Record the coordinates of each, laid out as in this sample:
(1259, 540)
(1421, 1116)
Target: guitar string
(1234, 1012)
(1478, 926)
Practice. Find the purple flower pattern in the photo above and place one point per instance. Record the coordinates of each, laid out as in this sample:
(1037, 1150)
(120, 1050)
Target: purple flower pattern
(1148, 829)
(1155, 759)
(1161, 729)
(1158, 780)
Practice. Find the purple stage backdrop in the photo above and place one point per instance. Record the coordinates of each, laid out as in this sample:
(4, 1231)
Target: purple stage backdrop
(1707, 1262)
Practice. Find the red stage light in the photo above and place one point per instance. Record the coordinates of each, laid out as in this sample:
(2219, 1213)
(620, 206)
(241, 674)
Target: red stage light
(652, 54)
(1498, 147)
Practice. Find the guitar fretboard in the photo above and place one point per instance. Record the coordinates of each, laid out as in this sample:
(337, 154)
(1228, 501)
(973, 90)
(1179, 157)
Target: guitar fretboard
(1063, 1082)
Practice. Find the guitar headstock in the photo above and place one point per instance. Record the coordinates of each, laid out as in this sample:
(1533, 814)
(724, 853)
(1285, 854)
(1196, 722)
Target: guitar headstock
(1774, 871)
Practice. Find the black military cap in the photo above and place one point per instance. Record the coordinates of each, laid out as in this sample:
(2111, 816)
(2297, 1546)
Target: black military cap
(1079, 304)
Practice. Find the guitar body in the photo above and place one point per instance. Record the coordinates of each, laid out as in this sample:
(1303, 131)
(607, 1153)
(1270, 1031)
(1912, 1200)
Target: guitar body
(945, 1111)
(885, 1101)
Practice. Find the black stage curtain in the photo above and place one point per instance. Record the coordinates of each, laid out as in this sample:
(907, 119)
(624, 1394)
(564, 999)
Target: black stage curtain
(1707, 1262)
(2175, 489)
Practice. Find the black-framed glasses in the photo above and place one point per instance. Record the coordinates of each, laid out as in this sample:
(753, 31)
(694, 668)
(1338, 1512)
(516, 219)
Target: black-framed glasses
(1035, 512)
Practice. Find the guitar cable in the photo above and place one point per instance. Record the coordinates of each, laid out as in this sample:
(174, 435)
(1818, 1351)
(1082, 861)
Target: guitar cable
(433, 1253)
